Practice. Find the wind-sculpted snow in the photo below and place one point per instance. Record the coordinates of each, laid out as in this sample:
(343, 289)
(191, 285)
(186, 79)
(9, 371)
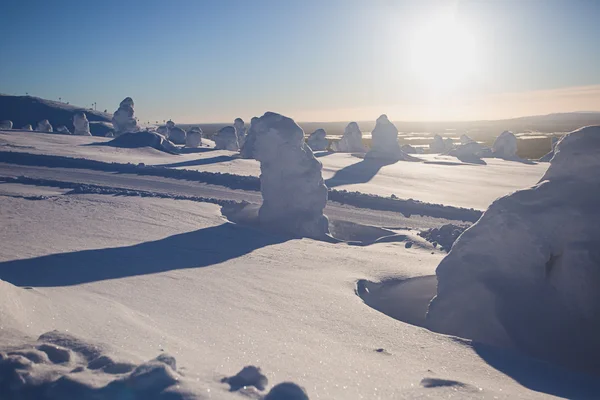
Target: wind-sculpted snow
(444, 236)
(527, 274)
(440, 145)
(294, 193)
(81, 124)
(62, 130)
(44, 126)
(384, 145)
(132, 140)
(240, 130)
(317, 140)
(193, 138)
(548, 156)
(505, 146)
(27, 127)
(177, 135)
(248, 148)
(351, 141)
(6, 125)
(123, 119)
(226, 139)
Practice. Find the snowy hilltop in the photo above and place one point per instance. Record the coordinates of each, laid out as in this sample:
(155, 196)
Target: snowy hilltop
(351, 141)
(527, 274)
(292, 187)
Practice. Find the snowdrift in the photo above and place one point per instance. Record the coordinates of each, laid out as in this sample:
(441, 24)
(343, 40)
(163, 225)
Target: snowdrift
(527, 274)
(132, 140)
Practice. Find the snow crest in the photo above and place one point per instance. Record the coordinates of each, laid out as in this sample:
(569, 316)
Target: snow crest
(294, 193)
(527, 274)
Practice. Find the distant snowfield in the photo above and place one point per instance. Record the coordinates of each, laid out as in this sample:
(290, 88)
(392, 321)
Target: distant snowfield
(137, 277)
(440, 179)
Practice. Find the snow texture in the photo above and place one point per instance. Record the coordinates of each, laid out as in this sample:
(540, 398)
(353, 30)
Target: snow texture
(318, 141)
(123, 119)
(247, 150)
(505, 146)
(194, 137)
(226, 139)
(177, 135)
(62, 129)
(292, 187)
(27, 127)
(6, 125)
(445, 236)
(44, 126)
(132, 140)
(440, 145)
(351, 141)
(470, 152)
(527, 274)
(384, 144)
(547, 157)
(81, 125)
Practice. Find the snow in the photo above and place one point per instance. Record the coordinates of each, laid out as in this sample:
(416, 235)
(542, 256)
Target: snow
(240, 130)
(505, 146)
(132, 140)
(226, 139)
(351, 141)
(44, 126)
(193, 138)
(81, 125)
(548, 156)
(62, 129)
(248, 147)
(123, 119)
(291, 184)
(124, 275)
(27, 127)
(440, 145)
(317, 140)
(6, 125)
(384, 144)
(177, 135)
(465, 139)
(526, 275)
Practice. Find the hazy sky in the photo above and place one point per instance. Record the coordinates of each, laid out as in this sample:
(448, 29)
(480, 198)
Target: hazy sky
(314, 60)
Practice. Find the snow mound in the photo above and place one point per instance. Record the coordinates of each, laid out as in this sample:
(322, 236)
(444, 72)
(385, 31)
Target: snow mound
(240, 130)
(408, 149)
(27, 127)
(133, 140)
(81, 124)
(63, 130)
(465, 139)
(292, 187)
(317, 140)
(351, 141)
(226, 139)
(384, 145)
(177, 135)
(248, 148)
(163, 130)
(194, 137)
(60, 366)
(547, 157)
(440, 145)
(6, 125)
(101, 128)
(123, 119)
(505, 146)
(527, 274)
(470, 152)
(44, 126)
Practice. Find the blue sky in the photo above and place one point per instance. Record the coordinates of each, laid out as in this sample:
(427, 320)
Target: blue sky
(319, 60)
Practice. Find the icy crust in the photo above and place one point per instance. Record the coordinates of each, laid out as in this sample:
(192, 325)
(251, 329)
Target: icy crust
(317, 140)
(294, 193)
(123, 119)
(193, 137)
(226, 139)
(44, 126)
(527, 274)
(505, 146)
(351, 141)
(81, 125)
(384, 144)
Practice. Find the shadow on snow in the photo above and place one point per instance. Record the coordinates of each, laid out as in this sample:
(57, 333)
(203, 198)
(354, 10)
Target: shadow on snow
(200, 161)
(361, 172)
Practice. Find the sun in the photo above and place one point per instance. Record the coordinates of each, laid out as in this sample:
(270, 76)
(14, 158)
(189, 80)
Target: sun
(443, 54)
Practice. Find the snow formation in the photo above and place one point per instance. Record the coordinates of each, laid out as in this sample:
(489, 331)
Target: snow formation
(247, 150)
(550, 154)
(292, 187)
(384, 144)
(132, 140)
(505, 146)
(163, 130)
(63, 129)
(465, 139)
(123, 119)
(27, 127)
(440, 145)
(194, 137)
(240, 130)
(527, 274)
(351, 141)
(226, 139)
(81, 124)
(317, 140)
(408, 149)
(177, 135)
(44, 126)
(6, 125)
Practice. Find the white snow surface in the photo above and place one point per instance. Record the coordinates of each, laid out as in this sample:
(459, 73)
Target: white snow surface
(317, 140)
(351, 141)
(126, 278)
(81, 124)
(527, 274)
(505, 146)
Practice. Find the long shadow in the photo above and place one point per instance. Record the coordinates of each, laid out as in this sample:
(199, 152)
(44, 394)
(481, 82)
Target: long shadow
(200, 161)
(193, 150)
(540, 376)
(360, 172)
(320, 154)
(197, 249)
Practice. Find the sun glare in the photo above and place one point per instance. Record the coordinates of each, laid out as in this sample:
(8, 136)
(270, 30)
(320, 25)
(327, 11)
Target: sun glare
(443, 54)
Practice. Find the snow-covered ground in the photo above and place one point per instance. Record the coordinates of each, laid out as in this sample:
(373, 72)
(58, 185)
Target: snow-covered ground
(138, 266)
